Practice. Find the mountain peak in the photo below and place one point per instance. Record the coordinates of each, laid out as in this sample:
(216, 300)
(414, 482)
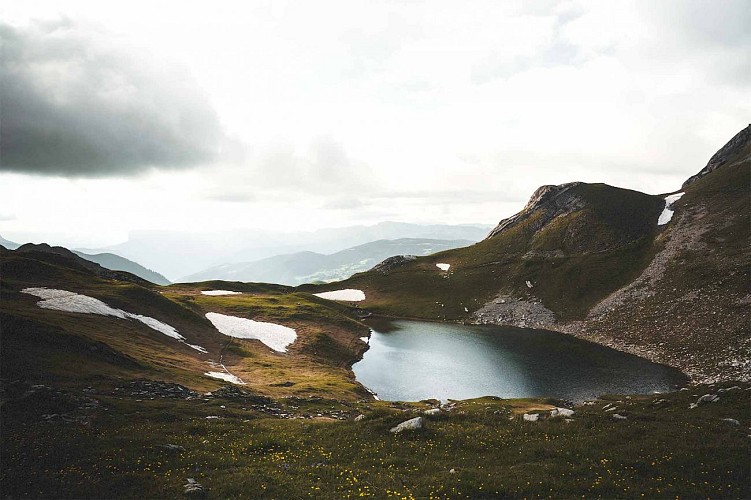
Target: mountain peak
(737, 148)
(559, 198)
(549, 192)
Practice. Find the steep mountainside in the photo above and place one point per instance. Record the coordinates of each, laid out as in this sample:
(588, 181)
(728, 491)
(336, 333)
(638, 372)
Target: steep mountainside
(310, 267)
(607, 228)
(592, 260)
(691, 306)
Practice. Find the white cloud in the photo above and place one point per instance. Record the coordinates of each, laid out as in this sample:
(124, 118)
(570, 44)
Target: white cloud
(335, 102)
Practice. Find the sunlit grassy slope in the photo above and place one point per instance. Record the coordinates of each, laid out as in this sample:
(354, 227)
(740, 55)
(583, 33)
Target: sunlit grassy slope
(572, 261)
(72, 348)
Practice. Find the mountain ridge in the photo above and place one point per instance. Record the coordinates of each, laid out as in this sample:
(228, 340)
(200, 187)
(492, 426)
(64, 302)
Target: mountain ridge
(108, 261)
(592, 260)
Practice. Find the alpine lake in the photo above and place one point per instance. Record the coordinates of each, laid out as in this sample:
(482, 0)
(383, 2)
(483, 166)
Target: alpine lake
(415, 360)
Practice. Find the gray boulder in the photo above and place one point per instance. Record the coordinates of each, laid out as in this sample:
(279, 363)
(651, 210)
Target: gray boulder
(410, 425)
(561, 412)
(194, 489)
(707, 398)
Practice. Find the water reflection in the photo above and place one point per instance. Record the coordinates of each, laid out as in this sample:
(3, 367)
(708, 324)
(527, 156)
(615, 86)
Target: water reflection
(412, 360)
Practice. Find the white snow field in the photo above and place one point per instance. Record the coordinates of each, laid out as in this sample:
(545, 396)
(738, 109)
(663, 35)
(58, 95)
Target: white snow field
(443, 267)
(347, 295)
(63, 300)
(228, 377)
(275, 336)
(667, 213)
(220, 292)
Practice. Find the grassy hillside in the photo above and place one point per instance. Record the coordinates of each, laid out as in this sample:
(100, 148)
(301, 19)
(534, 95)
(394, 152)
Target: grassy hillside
(65, 348)
(138, 444)
(572, 261)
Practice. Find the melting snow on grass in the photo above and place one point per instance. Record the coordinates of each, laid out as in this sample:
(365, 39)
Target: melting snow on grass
(157, 325)
(220, 292)
(443, 267)
(667, 213)
(275, 336)
(347, 295)
(228, 377)
(63, 300)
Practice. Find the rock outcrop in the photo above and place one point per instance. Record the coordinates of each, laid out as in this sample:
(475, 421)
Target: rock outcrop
(412, 424)
(551, 200)
(737, 148)
(393, 262)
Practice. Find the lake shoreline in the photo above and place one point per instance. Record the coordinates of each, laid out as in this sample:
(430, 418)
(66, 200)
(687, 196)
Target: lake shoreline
(522, 362)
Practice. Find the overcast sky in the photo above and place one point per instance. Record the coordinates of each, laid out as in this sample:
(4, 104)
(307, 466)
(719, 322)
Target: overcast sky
(202, 116)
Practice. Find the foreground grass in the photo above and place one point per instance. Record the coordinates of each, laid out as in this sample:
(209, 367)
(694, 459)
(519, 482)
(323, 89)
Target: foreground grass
(663, 449)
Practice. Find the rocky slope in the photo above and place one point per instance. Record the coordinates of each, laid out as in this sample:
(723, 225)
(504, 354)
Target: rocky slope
(663, 279)
(691, 307)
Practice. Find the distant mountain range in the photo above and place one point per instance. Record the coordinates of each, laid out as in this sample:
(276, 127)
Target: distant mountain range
(117, 263)
(10, 245)
(179, 254)
(311, 267)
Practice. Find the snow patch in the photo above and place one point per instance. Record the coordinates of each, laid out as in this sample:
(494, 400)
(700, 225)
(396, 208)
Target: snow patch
(347, 295)
(667, 213)
(364, 339)
(228, 377)
(443, 267)
(219, 292)
(63, 300)
(157, 325)
(275, 336)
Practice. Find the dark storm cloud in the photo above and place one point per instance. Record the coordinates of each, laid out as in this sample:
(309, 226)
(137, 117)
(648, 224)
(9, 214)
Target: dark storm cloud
(76, 102)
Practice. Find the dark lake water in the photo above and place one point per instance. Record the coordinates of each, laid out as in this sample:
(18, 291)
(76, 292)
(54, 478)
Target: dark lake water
(413, 360)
